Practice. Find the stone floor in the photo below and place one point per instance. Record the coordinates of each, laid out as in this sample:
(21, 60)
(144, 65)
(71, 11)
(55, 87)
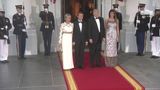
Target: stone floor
(44, 73)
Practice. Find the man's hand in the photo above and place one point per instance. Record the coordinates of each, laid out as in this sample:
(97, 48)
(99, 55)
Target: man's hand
(103, 39)
(86, 43)
(73, 43)
(90, 41)
(23, 30)
(6, 27)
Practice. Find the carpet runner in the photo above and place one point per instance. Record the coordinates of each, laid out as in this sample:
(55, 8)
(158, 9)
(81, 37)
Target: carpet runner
(100, 78)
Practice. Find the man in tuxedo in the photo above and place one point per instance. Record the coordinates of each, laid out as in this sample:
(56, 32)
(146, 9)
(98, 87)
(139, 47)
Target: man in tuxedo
(96, 34)
(79, 39)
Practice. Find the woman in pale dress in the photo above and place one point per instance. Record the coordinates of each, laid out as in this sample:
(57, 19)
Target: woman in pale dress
(65, 40)
(112, 36)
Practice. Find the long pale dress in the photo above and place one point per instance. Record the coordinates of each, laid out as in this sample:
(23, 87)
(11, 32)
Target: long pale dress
(111, 40)
(66, 41)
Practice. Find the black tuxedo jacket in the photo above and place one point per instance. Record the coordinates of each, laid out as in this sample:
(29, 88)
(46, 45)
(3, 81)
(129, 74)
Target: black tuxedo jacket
(94, 33)
(79, 35)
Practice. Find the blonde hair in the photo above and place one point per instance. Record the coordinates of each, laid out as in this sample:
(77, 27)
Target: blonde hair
(66, 15)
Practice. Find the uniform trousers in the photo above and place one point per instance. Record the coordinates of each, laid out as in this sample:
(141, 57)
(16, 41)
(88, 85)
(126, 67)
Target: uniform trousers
(47, 37)
(140, 36)
(155, 43)
(21, 45)
(3, 50)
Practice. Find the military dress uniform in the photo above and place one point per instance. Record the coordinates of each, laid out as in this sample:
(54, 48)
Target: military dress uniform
(47, 26)
(118, 15)
(19, 23)
(141, 23)
(155, 35)
(5, 26)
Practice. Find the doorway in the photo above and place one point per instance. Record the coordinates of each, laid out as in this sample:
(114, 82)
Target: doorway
(74, 6)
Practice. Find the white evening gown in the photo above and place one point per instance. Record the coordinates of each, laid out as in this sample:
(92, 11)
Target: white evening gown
(66, 41)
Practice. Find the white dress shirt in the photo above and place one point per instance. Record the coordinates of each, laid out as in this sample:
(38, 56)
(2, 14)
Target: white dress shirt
(98, 24)
(80, 25)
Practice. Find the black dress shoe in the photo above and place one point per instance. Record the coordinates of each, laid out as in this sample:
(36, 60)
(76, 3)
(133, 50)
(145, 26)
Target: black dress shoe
(47, 54)
(155, 57)
(138, 54)
(152, 57)
(6, 61)
(22, 58)
(80, 67)
(141, 54)
(98, 65)
(2, 61)
(92, 66)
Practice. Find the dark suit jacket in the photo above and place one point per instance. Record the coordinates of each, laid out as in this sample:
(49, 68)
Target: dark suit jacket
(93, 29)
(78, 35)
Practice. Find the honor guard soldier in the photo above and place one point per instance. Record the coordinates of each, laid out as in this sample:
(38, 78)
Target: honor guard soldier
(5, 26)
(119, 15)
(155, 34)
(19, 23)
(141, 23)
(47, 26)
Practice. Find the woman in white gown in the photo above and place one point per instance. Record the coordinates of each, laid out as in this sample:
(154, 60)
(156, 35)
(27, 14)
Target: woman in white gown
(112, 36)
(65, 40)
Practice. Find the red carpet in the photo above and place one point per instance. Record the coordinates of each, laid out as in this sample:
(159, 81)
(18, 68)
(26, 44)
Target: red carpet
(101, 78)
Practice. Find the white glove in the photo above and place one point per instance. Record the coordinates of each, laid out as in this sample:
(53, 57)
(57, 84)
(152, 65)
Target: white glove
(25, 23)
(153, 25)
(6, 27)
(5, 36)
(138, 21)
(151, 33)
(23, 30)
(2, 28)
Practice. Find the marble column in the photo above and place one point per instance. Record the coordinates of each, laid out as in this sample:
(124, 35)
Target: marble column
(106, 6)
(1, 6)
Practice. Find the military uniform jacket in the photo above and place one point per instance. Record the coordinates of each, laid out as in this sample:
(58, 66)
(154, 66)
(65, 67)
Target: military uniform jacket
(119, 17)
(141, 22)
(5, 26)
(19, 22)
(155, 26)
(47, 21)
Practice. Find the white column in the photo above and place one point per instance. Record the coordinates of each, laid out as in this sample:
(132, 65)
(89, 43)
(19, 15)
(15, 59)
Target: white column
(106, 6)
(9, 6)
(57, 13)
(1, 6)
